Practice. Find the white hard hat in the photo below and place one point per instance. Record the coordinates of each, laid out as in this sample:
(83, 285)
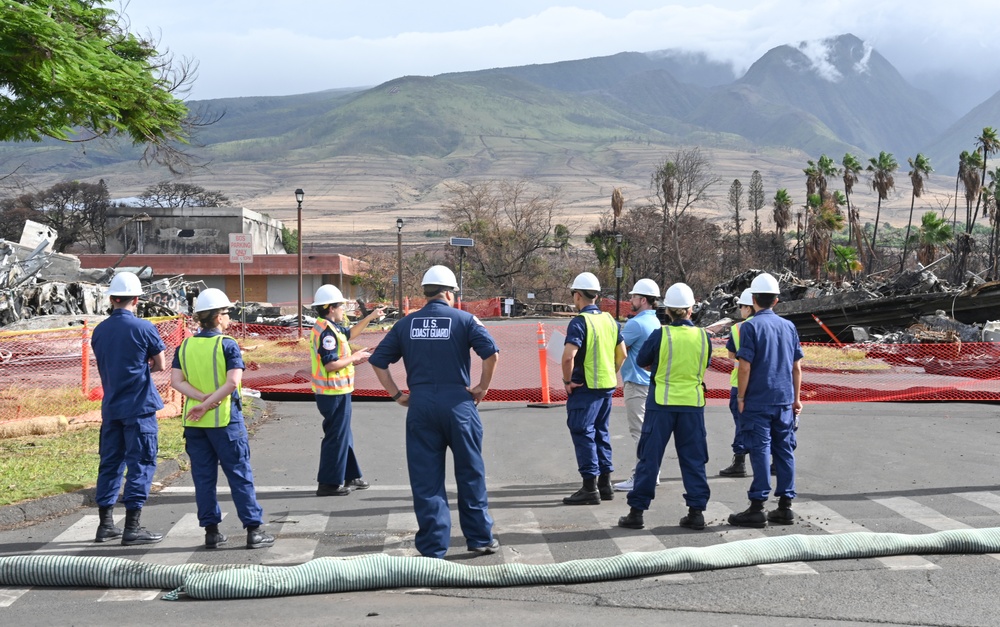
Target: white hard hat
(678, 296)
(327, 295)
(440, 275)
(764, 284)
(125, 284)
(212, 299)
(746, 298)
(646, 287)
(586, 281)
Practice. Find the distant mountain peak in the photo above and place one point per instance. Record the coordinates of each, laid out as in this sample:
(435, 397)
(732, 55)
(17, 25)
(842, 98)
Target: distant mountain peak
(833, 57)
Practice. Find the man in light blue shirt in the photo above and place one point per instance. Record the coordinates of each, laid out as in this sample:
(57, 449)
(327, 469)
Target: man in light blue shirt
(636, 380)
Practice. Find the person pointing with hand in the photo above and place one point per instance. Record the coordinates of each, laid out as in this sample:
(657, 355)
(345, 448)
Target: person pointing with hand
(332, 377)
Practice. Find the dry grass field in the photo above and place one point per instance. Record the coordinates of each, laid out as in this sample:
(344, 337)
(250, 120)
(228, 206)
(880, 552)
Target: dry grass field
(354, 201)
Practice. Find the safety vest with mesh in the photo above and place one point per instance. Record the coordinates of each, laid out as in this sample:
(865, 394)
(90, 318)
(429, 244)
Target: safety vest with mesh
(336, 382)
(734, 332)
(680, 371)
(203, 363)
(599, 360)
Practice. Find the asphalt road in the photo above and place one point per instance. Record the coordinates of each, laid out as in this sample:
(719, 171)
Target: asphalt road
(906, 468)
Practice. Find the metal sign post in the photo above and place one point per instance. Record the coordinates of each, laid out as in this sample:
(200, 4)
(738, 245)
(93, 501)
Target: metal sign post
(462, 243)
(241, 252)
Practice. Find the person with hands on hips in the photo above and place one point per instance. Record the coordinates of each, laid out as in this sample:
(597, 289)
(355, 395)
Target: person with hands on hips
(769, 402)
(435, 344)
(332, 368)
(592, 356)
(208, 368)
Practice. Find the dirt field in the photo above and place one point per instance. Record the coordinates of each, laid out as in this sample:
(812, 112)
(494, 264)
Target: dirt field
(351, 201)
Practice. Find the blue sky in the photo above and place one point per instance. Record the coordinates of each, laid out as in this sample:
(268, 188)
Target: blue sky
(261, 48)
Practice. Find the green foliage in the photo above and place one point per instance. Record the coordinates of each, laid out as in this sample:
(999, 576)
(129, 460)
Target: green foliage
(72, 72)
(290, 240)
(167, 194)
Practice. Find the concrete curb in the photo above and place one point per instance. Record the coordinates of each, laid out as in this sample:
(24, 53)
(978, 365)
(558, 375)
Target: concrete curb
(29, 512)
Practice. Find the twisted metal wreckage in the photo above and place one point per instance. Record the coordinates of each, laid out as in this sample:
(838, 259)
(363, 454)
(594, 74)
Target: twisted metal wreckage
(37, 282)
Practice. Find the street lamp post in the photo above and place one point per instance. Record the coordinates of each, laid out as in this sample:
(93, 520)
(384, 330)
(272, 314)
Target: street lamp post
(399, 262)
(462, 243)
(299, 196)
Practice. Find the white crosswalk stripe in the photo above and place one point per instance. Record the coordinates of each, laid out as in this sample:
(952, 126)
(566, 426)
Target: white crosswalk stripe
(521, 522)
(523, 537)
(177, 547)
(290, 550)
(632, 540)
(835, 523)
(732, 534)
(76, 538)
(924, 515)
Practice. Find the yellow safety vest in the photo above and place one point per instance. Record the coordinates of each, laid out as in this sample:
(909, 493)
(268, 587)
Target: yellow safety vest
(336, 382)
(599, 360)
(734, 332)
(204, 366)
(680, 370)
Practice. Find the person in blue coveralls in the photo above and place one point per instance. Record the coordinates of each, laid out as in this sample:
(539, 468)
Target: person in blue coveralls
(332, 373)
(635, 380)
(208, 370)
(738, 466)
(769, 402)
(128, 350)
(592, 356)
(434, 344)
(677, 356)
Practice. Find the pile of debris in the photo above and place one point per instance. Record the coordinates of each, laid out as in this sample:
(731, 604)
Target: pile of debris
(867, 310)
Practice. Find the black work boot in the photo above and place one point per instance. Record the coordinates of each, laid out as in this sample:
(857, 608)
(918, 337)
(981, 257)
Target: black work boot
(604, 487)
(107, 530)
(214, 538)
(633, 520)
(753, 516)
(134, 534)
(587, 495)
(784, 514)
(258, 538)
(695, 519)
(736, 469)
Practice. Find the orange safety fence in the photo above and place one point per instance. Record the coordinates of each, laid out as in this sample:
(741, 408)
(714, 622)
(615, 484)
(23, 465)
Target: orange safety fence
(53, 373)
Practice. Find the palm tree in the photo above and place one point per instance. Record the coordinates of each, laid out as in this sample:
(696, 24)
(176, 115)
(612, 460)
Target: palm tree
(845, 261)
(812, 178)
(852, 167)
(987, 143)
(933, 232)
(992, 202)
(920, 169)
(969, 166)
(782, 211)
(882, 183)
(826, 168)
(825, 218)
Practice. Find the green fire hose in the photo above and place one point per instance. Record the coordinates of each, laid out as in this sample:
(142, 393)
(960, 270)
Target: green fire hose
(378, 571)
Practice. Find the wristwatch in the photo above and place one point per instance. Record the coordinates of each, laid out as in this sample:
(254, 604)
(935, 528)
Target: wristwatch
(396, 396)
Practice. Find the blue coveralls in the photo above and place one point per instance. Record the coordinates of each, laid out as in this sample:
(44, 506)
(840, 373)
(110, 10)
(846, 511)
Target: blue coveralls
(123, 345)
(434, 344)
(687, 425)
(588, 410)
(771, 345)
(229, 446)
(337, 462)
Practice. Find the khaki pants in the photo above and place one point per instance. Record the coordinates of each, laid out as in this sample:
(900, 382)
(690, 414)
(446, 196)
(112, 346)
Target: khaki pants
(635, 410)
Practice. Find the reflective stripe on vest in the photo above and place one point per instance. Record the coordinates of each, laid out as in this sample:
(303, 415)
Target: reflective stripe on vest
(336, 382)
(684, 355)
(734, 332)
(203, 363)
(599, 360)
